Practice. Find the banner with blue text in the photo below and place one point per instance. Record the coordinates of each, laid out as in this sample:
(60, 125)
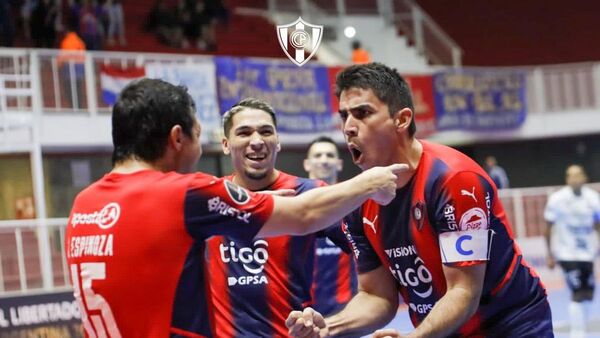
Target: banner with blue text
(300, 96)
(482, 100)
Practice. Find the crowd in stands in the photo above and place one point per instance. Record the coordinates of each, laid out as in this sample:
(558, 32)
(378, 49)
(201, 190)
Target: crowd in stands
(42, 23)
(187, 23)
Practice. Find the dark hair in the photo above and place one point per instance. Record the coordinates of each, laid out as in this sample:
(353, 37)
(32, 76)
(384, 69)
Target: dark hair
(386, 83)
(243, 105)
(355, 44)
(144, 115)
(322, 139)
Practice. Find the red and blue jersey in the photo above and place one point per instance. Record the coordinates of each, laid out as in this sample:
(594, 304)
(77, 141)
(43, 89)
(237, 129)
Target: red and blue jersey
(449, 213)
(335, 281)
(134, 244)
(254, 284)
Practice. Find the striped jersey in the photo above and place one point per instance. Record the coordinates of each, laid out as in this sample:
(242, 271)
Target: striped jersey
(134, 244)
(254, 284)
(335, 280)
(449, 213)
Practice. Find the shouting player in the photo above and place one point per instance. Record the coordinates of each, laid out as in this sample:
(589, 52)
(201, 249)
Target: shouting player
(444, 242)
(134, 238)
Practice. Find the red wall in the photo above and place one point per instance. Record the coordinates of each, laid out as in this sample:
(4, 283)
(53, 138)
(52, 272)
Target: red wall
(520, 32)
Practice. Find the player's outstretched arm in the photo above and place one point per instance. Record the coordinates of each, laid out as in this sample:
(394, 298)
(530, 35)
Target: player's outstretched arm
(458, 304)
(318, 208)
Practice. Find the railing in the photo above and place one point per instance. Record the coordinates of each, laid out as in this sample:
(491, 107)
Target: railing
(429, 38)
(21, 266)
(556, 88)
(22, 255)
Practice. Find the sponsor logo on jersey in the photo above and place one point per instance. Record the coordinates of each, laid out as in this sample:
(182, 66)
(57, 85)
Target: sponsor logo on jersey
(416, 278)
(215, 204)
(471, 193)
(402, 251)
(450, 217)
(418, 213)
(370, 223)
(104, 219)
(350, 240)
(473, 219)
(420, 308)
(238, 194)
(252, 259)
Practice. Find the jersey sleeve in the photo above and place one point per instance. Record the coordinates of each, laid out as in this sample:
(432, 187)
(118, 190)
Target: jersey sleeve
(217, 206)
(365, 255)
(336, 234)
(462, 219)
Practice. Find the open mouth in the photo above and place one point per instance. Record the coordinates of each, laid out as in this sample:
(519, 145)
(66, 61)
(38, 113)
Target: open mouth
(256, 157)
(356, 153)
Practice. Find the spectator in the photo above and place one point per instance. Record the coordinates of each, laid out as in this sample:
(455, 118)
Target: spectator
(497, 173)
(359, 55)
(164, 24)
(43, 24)
(200, 27)
(7, 28)
(26, 10)
(71, 63)
(90, 26)
(116, 22)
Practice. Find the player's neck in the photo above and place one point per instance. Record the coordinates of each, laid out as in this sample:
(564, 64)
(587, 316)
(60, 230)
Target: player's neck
(130, 166)
(409, 151)
(329, 180)
(256, 184)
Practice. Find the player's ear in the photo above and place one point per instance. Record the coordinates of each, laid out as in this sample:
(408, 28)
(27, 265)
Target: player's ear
(306, 165)
(225, 146)
(278, 149)
(402, 119)
(176, 137)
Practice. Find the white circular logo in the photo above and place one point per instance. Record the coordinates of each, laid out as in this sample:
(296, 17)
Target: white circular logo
(109, 215)
(299, 39)
(473, 219)
(418, 214)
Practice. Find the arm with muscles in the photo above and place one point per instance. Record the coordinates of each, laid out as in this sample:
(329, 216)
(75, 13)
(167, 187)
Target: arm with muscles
(318, 208)
(373, 306)
(464, 286)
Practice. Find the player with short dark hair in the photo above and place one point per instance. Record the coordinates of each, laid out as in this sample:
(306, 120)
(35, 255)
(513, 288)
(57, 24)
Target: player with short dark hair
(334, 281)
(254, 284)
(134, 238)
(444, 243)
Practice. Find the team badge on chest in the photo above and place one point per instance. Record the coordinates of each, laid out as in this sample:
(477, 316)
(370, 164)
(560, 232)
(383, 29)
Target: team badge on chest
(418, 214)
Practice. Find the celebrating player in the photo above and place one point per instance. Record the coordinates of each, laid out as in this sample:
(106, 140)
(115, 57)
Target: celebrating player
(254, 284)
(444, 242)
(134, 238)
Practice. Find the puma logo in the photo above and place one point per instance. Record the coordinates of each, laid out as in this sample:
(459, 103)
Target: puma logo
(463, 192)
(371, 224)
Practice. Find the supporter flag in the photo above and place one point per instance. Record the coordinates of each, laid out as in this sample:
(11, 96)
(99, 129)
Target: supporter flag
(113, 79)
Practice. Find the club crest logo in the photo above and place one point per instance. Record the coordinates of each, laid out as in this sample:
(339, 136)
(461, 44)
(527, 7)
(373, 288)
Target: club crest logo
(299, 40)
(238, 194)
(418, 213)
